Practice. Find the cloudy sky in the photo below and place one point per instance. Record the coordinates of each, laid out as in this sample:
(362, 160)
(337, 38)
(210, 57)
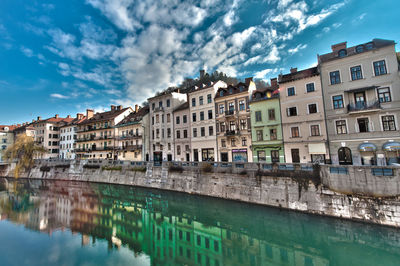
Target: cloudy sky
(65, 56)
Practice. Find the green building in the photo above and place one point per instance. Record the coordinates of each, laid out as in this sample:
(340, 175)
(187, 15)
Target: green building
(266, 125)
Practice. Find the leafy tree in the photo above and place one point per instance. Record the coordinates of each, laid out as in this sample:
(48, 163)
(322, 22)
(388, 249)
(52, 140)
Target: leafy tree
(23, 151)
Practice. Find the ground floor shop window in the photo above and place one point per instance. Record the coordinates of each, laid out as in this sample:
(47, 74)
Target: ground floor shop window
(207, 155)
(239, 155)
(275, 156)
(261, 156)
(224, 156)
(318, 158)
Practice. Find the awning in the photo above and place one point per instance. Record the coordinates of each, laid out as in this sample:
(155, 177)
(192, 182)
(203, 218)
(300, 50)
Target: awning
(362, 89)
(391, 146)
(316, 148)
(367, 147)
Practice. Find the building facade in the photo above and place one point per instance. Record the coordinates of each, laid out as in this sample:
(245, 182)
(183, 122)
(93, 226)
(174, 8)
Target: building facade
(266, 128)
(68, 136)
(232, 111)
(182, 133)
(362, 102)
(162, 125)
(6, 139)
(96, 135)
(133, 135)
(202, 121)
(303, 117)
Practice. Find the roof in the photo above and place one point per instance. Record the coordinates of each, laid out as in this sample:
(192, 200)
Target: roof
(376, 44)
(10, 128)
(181, 107)
(76, 121)
(134, 117)
(306, 73)
(24, 127)
(266, 93)
(98, 117)
(59, 119)
(231, 90)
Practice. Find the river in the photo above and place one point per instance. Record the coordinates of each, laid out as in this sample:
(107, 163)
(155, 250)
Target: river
(75, 223)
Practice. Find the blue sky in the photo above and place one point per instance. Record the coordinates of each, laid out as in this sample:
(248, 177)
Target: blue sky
(61, 57)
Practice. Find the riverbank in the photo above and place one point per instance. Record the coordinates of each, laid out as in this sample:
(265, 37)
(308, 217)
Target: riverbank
(343, 192)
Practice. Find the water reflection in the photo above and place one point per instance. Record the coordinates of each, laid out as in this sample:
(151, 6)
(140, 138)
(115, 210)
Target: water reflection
(172, 228)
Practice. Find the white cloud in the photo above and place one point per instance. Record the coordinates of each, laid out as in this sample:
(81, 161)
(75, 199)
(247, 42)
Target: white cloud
(59, 96)
(297, 48)
(26, 51)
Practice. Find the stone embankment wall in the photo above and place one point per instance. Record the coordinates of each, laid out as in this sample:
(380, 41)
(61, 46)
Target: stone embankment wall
(358, 193)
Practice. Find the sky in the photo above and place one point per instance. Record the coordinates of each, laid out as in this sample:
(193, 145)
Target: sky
(62, 57)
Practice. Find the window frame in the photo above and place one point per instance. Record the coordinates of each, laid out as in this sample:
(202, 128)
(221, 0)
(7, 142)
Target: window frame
(256, 117)
(330, 77)
(333, 102)
(287, 111)
(345, 126)
(311, 130)
(294, 91)
(298, 132)
(313, 87)
(316, 108)
(382, 122)
(374, 69)
(378, 94)
(361, 72)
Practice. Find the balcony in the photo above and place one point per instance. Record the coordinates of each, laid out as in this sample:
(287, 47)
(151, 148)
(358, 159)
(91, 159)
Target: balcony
(134, 136)
(159, 109)
(229, 112)
(90, 128)
(130, 148)
(229, 133)
(362, 107)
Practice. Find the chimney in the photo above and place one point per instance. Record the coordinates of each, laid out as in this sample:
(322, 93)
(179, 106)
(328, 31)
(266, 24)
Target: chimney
(33, 121)
(119, 107)
(339, 46)
(39, 118)
(79, 116)
(293, 70)
(56, 116)
(113, 107)
(202, 72)
(247, 80)
(136, 108)
(18, 125)
(68, 116)
(89, 113)
(274, 82)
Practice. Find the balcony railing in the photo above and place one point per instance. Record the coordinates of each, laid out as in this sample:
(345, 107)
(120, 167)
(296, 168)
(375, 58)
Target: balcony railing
(231, 132)
(94, 128)
(363, 106)
(159, 109)
(130, 147)
(230, 112)
(134, 136)
(95, 149)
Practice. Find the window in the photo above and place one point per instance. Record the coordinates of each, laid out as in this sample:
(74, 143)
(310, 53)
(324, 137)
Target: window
(160, 104)
(194, 132)
(241, 105)
(356, 73)
(341, 127)
(232, 125)
(292, 111)
(310, 87)
(162, 133)
(337, 101)
(221, 93)
(184, 119)
(291, 91)
(201, 100)
(202, 131)
(178, 120)
(168, 132)
(178, 134)
(360, 49)
(185, 135)
(168, 103)
(388, 123)
(244, 142)
(243, 124)
(222, 126)
(233, 142)
(369, 46)
(231, 107)
(178, 150)
(194, 117)
(201, 116)
(335, 77)
(258, 116)
(168, 118)
(363, 125)
(210, 116)
(162, 118)
(259, 135)
(315, 130)
(210, 130)
(223, 143)
(271, 114)
(209, 99)
(158, 132)
(273, 134)
(221, 108)
(193, 102)
(295, 132)
(312, 108)
(384, 95)
(153, 106)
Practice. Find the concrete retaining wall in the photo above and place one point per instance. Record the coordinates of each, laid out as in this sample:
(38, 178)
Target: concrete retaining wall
(301, 190)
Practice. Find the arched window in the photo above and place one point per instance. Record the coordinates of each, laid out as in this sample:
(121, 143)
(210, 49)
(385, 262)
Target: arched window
(369, 46)
(345, 157)
(360, 49)
(342, 53)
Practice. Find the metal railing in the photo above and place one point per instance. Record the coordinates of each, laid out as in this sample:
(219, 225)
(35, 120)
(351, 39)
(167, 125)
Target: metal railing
(363, 106)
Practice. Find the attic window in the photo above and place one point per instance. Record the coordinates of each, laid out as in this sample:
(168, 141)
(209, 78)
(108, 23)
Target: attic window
(369, 46)
(230, 90)
(241, 88)
(360, 49)
(221, 93)
(342, 53)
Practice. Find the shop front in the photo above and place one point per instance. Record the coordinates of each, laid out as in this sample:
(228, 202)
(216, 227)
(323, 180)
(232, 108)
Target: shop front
(317, 152)
(367, 153)
(207, 155)
(239, 155)
(392, 152)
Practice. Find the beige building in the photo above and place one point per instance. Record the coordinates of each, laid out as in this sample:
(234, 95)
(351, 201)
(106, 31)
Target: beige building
(162, 125)
(233, 122)
(182, 133)
(202, 121)
(303, 117)
(6, 138)
(362, 102)
(26, 129)
(133, 136)
(96, 136)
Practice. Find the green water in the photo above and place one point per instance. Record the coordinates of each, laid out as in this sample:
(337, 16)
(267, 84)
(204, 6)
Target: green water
(73, 223)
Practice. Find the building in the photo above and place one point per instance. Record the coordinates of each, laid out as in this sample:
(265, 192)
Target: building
(266, 129)
(96, 135)
(68, 136)
(362, 102)
(303, 117)
(48, 134)
(133, 135)
(6, 138)
(232, 111)
(202, 117)
(182, 133)
(26, 129)
(162, 124)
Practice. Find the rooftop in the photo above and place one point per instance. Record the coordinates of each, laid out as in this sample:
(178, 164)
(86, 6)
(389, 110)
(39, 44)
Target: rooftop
(104, 116)
(296, 75)
(134, 116)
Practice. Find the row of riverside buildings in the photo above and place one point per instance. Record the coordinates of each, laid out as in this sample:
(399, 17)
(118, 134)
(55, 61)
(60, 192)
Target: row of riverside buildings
(343, 111)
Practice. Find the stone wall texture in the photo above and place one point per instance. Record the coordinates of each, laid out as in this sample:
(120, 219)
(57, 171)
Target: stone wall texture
(351, 196)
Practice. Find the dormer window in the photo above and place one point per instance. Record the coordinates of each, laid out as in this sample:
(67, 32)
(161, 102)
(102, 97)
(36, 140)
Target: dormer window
(230, 91)
(360, 49)
(221, 93)
(342, 53)
(241, 88)
(369, 46)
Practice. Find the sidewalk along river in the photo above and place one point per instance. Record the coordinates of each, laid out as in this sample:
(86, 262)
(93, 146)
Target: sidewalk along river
(74, 223)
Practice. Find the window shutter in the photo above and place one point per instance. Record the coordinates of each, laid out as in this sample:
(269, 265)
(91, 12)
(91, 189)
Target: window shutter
(248, 123)
(247, 103)
(216, 110)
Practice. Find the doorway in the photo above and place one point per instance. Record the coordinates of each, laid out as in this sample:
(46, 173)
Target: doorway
(359, 99)
(295, 155)
(196, 155)
(224, 156)
(345, 157)
(187, 157)
(362, 124)
(169, 157)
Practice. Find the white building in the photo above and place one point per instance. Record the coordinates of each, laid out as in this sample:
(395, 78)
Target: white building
(68, 137)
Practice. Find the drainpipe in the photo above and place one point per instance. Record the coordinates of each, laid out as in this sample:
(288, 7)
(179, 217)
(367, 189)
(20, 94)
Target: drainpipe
(323, 102)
